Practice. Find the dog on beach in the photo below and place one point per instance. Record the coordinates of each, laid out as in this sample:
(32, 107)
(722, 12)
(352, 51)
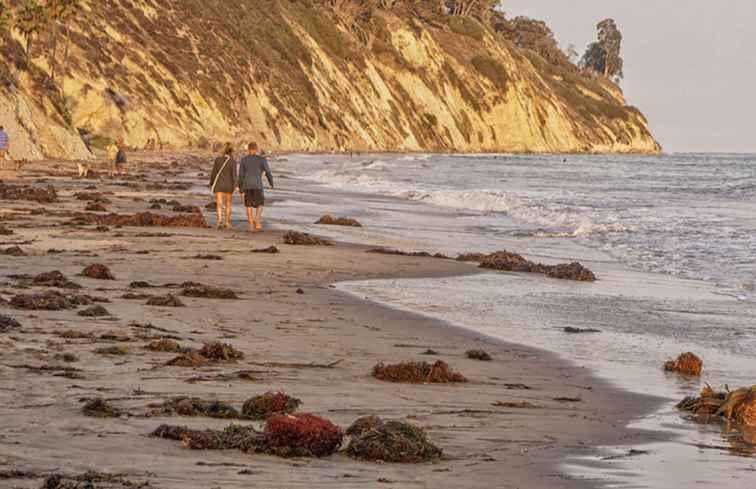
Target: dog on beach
(84, 169)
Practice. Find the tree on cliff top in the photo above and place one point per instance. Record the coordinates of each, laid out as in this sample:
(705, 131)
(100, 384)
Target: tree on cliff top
(527, 33)
(60, 12)
(604, 56)
(5, 15)
(30, 21)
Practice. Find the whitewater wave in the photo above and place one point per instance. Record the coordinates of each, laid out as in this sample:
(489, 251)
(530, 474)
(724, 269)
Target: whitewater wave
(560, 221)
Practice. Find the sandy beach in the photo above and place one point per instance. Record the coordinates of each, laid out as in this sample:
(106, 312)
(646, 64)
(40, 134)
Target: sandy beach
(298, 333)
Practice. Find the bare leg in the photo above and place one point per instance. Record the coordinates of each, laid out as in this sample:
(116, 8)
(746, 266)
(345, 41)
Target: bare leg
(219, 209)
(229, 198)
(251, 218)
(258, 217)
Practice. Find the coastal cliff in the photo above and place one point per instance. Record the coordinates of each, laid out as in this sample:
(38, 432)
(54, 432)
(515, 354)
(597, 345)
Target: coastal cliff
(295, 75)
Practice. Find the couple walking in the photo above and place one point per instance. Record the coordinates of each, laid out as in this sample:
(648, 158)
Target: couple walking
(224, 180)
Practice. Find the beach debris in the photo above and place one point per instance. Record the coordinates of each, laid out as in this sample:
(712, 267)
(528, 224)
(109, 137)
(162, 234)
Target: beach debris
(164, 344)
(218, 351)
(88, 480)
(95, 311)
(185, 209)
(193, 406)
(98, 271)
(269, 404)
(5, 231)
(147, 219)
(573, 330)
(7, 323)
(47, 279)
(189, 359)
(131, 296)
(568, 399)
(116, 350)
(302, 435)
(44, 301)
(415, 254)
(270, 249)
(430, 351)
(512, 262)
(73, 334)
(244, 438)
(13, 251)
(246, 375)
(67, 357)
(481, 355)
(686, 364)
(115, 336)
(305, 239)
(95, 207)
(338, 221)
(515, 404)
(208, 292)
(417, 373)
(472, 257)
(206, 257)
(737, 406)
(45, 195)
(390, 441)
(100, 408)
(570, 271)
(140, 284)
(92, 197)
(169, 300)
(212, 352)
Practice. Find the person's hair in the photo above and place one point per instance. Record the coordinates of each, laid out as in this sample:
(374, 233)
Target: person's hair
(228, 149)
(252, 146)
(2, 128)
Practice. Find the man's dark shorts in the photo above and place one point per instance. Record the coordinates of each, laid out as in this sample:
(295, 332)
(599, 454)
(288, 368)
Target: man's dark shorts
(254, 198)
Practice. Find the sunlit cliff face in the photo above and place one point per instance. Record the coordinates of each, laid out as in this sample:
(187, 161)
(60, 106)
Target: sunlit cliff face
(292, 77)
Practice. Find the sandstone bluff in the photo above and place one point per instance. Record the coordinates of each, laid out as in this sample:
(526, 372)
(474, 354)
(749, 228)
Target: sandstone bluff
(302, 76)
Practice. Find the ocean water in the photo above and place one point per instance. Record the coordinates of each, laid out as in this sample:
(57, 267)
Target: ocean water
(671, 238)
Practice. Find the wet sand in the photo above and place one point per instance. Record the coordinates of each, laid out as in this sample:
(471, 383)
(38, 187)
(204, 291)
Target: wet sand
(44, 430)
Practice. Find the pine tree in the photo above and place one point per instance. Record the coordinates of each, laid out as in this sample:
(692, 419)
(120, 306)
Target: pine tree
(30, 21)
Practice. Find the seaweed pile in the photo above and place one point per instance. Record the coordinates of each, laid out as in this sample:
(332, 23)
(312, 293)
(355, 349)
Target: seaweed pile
(418, 373)
(329, 220)
(46, 195)
(270, 404)
(737, 406)
(390, 441)
(209, 353)
(49, 301)
(512, 262)
(301, 435)
(304, 239)
(686, 364)
(98, 271)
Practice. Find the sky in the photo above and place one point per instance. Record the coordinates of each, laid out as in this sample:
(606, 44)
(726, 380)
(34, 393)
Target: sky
(690, 65)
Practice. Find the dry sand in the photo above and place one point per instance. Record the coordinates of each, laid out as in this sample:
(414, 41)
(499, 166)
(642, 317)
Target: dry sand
(44, 430)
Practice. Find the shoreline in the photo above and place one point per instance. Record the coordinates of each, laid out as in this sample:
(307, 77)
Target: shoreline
(524, 446)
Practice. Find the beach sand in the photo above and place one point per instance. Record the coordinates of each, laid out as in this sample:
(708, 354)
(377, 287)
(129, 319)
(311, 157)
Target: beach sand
(285, 336)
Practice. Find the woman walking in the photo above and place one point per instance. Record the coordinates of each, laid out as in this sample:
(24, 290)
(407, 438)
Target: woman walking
(222, 184)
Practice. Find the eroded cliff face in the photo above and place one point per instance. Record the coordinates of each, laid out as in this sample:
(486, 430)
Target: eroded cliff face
(289, 75)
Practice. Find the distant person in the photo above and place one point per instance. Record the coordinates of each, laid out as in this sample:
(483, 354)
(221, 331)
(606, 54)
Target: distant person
(222, 184)
(4, 142)
(120, 159)
(112, 152)
(251, 169)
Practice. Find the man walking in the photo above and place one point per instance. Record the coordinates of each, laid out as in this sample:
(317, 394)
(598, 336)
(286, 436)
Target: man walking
(251, 169)
(3, 143)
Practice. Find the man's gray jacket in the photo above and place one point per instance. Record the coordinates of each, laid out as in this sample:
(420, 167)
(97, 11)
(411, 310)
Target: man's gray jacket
(251, 169)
